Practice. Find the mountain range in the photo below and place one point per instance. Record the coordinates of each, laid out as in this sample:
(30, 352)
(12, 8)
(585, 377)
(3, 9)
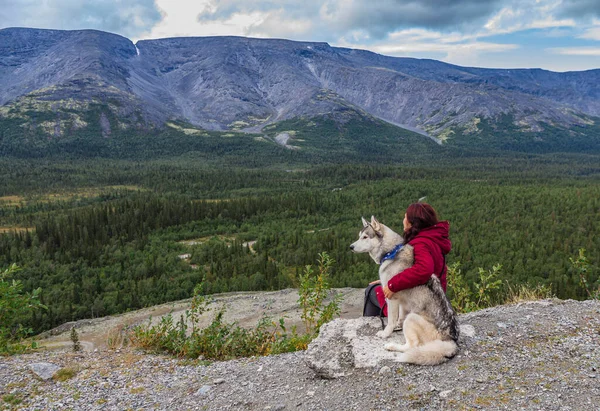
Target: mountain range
(50, 78)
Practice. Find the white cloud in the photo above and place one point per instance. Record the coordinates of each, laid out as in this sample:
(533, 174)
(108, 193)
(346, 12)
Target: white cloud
(419, 35)
(591, 34)
(365, 24)
(535, 15)
(126, 18)
(473, 47)
(575, 51)
(376, 17)
(557, 32)
(180, 19)
(277, 24)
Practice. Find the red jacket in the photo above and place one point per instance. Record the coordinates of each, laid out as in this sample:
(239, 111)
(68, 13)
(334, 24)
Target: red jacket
(430, 246)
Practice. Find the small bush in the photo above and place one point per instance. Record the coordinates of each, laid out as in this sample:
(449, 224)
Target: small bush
(488, 291)
(14, 305)
(117, 338)
(290, 342)
(488, 287)
(583, 269)
(485, 292)
(313, 292)
(218, 341)
(221, 340)
(75, 340)
(459, 291)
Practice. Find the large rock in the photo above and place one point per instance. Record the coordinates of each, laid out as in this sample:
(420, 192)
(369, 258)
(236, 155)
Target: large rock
(44, 370)
(345, 345)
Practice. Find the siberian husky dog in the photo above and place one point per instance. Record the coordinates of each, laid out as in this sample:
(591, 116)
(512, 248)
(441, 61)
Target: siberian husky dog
(428, 321)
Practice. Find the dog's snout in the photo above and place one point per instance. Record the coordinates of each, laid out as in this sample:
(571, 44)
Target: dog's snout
(352, 246)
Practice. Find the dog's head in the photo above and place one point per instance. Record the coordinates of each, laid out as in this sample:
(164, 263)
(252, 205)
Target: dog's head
(369, 237)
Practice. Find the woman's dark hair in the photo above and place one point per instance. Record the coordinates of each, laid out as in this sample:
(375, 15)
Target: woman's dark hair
(420, 216)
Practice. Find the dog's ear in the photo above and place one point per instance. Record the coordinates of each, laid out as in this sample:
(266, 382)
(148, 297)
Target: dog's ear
(375, 224)
(365, 222)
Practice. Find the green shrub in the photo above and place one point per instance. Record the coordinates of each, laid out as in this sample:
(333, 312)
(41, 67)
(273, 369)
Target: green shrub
(459, 291)
(488, 290)
(218, 341)
(75, 340)
(221, 340)
(488, 287)
(14, 305)
(313, 292)
(485, 292)
(583, 268)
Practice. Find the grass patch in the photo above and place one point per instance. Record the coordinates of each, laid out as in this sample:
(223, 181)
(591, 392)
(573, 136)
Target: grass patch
(67, 195)
(202, 240)
(65, 374)
(11, 201)
(88, 192)
(527, 293)
(4, 230)
(116, 338)
(12, 399)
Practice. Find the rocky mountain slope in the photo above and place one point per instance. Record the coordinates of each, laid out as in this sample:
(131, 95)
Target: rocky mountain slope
(235, 83)
(535, 355)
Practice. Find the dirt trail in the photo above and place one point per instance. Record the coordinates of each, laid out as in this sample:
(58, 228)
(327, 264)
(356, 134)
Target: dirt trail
(245, 308)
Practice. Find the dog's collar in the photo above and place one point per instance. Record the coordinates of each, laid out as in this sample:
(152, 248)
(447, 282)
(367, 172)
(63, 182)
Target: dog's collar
(392, 253)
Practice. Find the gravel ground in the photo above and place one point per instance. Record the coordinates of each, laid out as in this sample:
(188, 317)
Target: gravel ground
(539, 355)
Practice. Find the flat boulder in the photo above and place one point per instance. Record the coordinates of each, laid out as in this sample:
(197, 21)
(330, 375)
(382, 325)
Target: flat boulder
(44, 370)
(346, 344)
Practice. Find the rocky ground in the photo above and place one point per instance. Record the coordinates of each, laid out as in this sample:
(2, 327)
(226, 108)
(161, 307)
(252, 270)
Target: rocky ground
(539, 355)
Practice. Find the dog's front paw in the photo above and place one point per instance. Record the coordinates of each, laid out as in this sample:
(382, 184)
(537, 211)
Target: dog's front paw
(391, 346)
(383, 334)
(395, 347)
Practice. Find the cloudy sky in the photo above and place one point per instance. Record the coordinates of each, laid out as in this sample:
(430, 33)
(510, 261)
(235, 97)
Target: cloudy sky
(558, 35)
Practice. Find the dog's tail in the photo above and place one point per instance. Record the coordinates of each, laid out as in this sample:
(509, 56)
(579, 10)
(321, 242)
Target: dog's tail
(431, 353)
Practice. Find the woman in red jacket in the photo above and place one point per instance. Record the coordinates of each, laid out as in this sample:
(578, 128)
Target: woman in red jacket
(429, 238)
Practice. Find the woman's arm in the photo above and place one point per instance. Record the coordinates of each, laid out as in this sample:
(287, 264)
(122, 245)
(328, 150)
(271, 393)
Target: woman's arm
(416, 275)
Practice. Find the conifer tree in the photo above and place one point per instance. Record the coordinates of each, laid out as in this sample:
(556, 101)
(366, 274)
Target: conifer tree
(75, 340)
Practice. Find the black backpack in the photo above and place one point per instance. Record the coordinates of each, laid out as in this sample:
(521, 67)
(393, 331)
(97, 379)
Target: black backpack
(371, 307)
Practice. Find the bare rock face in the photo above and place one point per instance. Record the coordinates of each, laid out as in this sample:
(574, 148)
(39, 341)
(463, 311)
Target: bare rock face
(346, 345)
(44, 370)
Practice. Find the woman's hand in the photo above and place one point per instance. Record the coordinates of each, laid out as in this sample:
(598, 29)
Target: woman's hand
(387, 292)
(375, 282)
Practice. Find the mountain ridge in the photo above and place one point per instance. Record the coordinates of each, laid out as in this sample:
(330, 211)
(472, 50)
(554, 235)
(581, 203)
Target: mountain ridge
(227, 83)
